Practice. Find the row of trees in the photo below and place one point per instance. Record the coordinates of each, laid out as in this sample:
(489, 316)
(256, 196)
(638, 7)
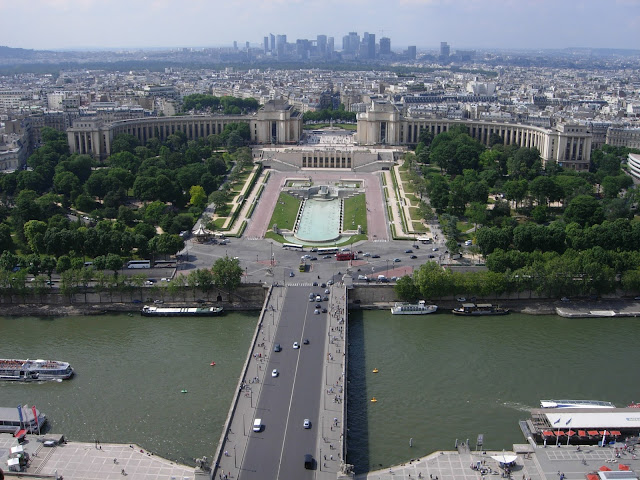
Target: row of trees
(328, 114)
(225, 274)
(554, 276)
(227, 105)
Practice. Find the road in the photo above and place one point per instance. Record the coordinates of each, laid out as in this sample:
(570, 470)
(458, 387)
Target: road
(285, 401)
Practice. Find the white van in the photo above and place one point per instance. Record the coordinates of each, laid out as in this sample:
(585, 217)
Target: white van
(257, 425)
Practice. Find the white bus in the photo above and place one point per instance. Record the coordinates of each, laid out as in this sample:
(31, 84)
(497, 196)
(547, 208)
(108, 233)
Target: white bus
(293, 246)
(139, 264)
(328, 250)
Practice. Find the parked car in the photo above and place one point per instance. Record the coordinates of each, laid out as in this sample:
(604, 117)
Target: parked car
(375, 256)
(395, 260)
(306, 423)
(296, 345)
(408, 250)
(275, 372)
(413, 257)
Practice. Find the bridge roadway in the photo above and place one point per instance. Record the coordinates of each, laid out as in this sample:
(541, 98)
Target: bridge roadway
(309, 386)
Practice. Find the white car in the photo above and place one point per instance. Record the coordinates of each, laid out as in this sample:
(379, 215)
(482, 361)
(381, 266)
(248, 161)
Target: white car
(296, 345)
(275, 372)
(307, 423)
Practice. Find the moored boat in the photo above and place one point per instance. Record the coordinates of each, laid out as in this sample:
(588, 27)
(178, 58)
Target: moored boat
(420, 308)
(31, 370)
(479, 309)
(23, 418)
(154, 311)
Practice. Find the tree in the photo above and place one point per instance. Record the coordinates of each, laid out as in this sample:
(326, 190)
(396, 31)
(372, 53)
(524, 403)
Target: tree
(63, 264)
(218, 199)
(477, 213)
(406, 289)
(6, 241)
(227, 273)
(114, 262)
(198, 196)
(584, 210)
(34, 231)
(124, 143)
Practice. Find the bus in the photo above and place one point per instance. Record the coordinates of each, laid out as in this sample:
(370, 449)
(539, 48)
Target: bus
(346, 256)
(293, 246)
(302, 267)
(328, 250)
(139, 264)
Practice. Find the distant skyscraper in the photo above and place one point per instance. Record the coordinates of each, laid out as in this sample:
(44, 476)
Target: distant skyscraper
(321, 41)
(354, 42)
(330, 46)
(371, 46)
(266, 44)
(411, 52)
(272, 42)
(444, 49)
(385, 46)
(235, 45)
(281, 43)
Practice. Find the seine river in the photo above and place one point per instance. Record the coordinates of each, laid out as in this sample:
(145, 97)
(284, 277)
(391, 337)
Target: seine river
(440, 377)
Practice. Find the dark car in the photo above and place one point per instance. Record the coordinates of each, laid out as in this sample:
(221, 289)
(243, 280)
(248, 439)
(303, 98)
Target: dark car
(315, 284)
(375, 256)
(323, 285)
(432, 256)
(327, 256)
(318, 305)
(306, 341)
(277, 347)
(413, 257)
(309, 462)
(313, 259)
(359, 251)
(324, 310)
(408, 250)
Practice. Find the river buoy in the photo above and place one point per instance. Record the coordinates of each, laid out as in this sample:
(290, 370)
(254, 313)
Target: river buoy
(373, 400)
(213, 364)
(184, 390)
(375, 370)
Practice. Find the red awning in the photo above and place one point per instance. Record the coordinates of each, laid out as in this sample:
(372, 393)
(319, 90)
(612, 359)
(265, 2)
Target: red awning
(615, 433)
(592, 432)
(622, 466)
(604, 468)
(547, 433)
(560, 433)
(604, 432)
(582, 433)
(20, 433)
(592, 476)
(571, 432)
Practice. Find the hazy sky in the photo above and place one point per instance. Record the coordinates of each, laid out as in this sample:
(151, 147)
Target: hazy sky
(55, 24)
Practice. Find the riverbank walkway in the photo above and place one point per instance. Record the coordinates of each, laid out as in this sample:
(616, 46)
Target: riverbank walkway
(532, 463)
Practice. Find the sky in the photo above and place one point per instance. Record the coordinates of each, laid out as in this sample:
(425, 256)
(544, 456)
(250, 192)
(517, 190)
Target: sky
(464, 24)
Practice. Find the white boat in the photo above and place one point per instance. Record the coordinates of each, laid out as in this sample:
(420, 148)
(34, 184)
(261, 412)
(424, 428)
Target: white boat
(30, 370)
(575, 404)
(420, 308)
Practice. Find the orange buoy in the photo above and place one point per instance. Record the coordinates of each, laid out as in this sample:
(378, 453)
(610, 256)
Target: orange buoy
(213, 364)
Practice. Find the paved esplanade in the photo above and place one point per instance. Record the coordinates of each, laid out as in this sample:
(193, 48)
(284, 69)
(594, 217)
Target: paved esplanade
(309, 385)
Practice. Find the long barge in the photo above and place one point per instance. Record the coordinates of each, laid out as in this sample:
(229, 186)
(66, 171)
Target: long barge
(32, 370)
(155, 311)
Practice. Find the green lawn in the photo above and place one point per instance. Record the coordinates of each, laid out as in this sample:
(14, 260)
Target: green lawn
(415, 214)
(464, 226)
(284, 214)
(355, 213)
(419, 227)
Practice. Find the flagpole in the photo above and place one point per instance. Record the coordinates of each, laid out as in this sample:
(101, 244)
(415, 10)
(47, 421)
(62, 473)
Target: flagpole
(558, 433)
(569, 431)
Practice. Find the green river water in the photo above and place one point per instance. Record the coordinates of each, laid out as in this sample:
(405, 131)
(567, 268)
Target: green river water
(440, 377)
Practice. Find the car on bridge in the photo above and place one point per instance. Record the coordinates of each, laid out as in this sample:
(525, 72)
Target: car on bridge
(296, 345)
(306, 423)
(277, 347)
(275, 372)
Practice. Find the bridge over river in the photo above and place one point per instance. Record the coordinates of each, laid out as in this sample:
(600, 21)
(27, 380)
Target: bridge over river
(311, 384)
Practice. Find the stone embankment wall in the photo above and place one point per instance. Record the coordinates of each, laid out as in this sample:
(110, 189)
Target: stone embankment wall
(245, 297)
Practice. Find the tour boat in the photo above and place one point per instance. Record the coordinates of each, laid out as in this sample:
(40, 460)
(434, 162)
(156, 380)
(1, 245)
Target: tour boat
(154, 311)
(31, 370)
(420, 308)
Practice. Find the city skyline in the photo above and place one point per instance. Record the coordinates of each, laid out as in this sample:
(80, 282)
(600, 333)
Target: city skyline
(89, 24)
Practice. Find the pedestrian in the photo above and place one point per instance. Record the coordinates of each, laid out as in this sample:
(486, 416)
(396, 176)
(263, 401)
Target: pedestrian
(115, 460)
(122, 472)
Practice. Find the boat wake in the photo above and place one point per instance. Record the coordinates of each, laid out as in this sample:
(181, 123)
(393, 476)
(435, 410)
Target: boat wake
(518, 406)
